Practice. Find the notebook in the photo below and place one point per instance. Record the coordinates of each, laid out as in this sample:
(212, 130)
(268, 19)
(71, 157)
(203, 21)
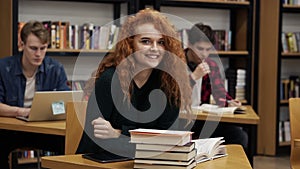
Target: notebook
(51, 105)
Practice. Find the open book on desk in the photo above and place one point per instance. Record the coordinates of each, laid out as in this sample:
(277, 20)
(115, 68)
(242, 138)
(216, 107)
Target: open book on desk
(209, 149)
(215, 109)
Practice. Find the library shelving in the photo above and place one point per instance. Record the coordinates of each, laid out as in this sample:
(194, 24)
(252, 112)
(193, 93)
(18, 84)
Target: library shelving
(10, 18)
(28, 158)
(277, 61)
(241, 18)
(288, 78)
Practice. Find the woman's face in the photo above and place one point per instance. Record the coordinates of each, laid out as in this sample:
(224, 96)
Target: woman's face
(149, 46)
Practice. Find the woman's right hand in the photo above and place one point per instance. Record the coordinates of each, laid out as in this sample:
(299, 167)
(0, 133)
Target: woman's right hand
(104, 130)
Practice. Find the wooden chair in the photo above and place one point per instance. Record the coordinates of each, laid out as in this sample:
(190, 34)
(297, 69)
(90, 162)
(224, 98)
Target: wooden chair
(294, 106)
(74, 125)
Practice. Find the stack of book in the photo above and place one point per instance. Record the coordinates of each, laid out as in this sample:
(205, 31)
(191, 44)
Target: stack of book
(163, 149)
(231, 76)
(240, 84)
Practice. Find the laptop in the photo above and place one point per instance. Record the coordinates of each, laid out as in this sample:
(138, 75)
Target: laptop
(51, 105)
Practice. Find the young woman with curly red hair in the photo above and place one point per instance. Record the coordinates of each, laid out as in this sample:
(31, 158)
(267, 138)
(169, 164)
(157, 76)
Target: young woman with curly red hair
(143, 83)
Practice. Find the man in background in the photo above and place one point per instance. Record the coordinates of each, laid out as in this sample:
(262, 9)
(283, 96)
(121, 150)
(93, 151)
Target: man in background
(206, 81)
(20, 77)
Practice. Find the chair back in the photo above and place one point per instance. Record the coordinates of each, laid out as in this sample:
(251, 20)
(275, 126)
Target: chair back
(75, 120)
(294, 106)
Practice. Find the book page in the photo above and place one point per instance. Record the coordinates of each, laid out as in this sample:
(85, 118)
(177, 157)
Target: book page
(215, 109)
(209, 148)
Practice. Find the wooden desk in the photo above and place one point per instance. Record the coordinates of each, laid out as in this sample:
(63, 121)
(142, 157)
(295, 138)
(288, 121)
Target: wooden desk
(48, 127)
(249, 120)
(250, 117)
(236, 159)
(59, 127)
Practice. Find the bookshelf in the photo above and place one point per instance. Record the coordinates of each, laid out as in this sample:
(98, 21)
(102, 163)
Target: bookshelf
(27, 158)
(81, 13)
(289, 24)
(10, 15)
(240, 16)
(14, 11)
(275, 66)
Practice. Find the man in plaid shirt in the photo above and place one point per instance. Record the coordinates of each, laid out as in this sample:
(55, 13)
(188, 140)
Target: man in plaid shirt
(206, 81)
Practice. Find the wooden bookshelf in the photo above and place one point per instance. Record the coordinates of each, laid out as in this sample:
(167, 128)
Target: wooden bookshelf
(6, 16)
(242, 27)
(271, 59)
(290, 55)
(267, 78)
(231, 52)
(215, 1)
(27, 160)
(291, 6)
(295, 10)
(284, 143)
(284, 101)
(77, 50)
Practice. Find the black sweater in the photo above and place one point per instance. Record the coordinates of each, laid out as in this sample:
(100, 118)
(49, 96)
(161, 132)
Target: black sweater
(107, 101)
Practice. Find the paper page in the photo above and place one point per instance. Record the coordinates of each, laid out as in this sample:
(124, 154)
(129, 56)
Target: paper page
(206, 145)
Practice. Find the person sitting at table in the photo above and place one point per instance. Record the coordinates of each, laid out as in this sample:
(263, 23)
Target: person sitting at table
(22, 75)
(129, 85)
(206, 81)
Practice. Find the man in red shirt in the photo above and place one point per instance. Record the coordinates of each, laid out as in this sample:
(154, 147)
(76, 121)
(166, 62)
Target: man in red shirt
(206, 80)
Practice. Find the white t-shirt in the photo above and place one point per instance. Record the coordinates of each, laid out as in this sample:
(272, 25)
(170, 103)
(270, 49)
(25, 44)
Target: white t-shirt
(196, 95)
(29, 91)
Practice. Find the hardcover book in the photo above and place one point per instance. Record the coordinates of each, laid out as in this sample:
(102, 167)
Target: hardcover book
(160, 147)
(180, 156)
(166, 137)
(161, 166)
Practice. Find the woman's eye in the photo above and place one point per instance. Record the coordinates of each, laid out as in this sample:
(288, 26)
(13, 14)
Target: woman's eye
(146, 42)
(162, 43)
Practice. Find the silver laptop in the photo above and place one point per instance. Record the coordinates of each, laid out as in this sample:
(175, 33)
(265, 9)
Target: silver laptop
(51, 105)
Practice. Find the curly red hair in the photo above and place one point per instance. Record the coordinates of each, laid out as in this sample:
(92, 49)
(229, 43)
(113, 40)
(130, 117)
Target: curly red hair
(179, 96)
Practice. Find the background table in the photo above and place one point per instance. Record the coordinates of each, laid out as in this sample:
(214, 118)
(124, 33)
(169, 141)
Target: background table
(45, 127)
(249, 120)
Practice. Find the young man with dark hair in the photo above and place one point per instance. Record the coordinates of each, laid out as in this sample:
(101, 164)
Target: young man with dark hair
(206, 81)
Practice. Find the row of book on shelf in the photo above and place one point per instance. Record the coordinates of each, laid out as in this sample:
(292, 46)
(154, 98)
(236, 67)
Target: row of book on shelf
(291, 2)
(30, 156)
(222, 37)
(171, 149)
(284, 131)
(289, 88)
(88, 36)
(77, 84)
(290, 42)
